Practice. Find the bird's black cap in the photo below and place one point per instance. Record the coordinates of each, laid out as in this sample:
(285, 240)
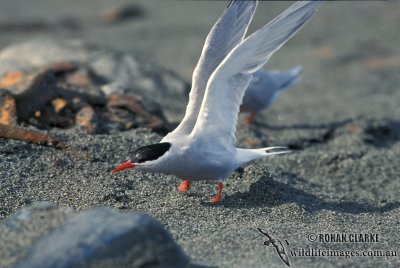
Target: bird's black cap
(150, 152)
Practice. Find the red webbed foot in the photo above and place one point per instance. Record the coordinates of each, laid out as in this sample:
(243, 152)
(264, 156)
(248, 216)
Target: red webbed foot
(184, 186)
(219, 195)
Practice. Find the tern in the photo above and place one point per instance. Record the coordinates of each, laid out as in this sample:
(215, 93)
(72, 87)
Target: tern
(265, 88)
(202, 147)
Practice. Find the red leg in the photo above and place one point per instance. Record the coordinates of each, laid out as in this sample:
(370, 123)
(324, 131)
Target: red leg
(218, 197)
(184, 186)
(250, 119)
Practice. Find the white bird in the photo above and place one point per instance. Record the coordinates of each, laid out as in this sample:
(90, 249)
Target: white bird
(265, 88)
(202, 147)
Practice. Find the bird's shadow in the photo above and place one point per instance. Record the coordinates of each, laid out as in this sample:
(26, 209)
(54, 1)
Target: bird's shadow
(328, 132)
(267, 192)
(381, 133)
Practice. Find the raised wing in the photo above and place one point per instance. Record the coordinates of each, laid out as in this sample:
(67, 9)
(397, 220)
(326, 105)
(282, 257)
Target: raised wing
(226, 86)
(227, 32)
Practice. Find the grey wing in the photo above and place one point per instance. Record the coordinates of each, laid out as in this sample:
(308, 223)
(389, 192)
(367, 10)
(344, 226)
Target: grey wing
(226, 86)
(266, 86)
(227, 32)
(286, 79)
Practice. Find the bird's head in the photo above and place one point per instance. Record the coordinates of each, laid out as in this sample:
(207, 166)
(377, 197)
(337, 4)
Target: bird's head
(144, 154)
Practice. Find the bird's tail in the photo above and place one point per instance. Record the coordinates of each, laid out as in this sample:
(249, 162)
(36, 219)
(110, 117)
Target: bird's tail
(247, 155)
(286, 79)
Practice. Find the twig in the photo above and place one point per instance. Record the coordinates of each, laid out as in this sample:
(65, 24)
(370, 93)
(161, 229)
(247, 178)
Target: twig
(18, 133)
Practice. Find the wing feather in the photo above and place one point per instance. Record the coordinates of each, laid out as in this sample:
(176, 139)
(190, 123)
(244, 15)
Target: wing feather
(226, 86)
(227, 32)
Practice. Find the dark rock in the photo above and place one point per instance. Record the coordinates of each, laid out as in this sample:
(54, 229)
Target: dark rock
(42, 90)
(57, 113)
(72, 69)
(126, 75)
(117, 73)
(135, 105)
(20, 230)
(82, 82)
(46, 236)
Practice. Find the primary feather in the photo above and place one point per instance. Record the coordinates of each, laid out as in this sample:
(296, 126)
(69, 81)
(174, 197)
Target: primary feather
(227, 32)
(226, 86)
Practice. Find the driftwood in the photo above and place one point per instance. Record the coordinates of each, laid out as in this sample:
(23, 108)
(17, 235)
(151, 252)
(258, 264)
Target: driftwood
(18, 133)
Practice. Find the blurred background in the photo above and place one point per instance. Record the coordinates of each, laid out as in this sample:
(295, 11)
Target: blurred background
(350, 50)
(172, 33)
